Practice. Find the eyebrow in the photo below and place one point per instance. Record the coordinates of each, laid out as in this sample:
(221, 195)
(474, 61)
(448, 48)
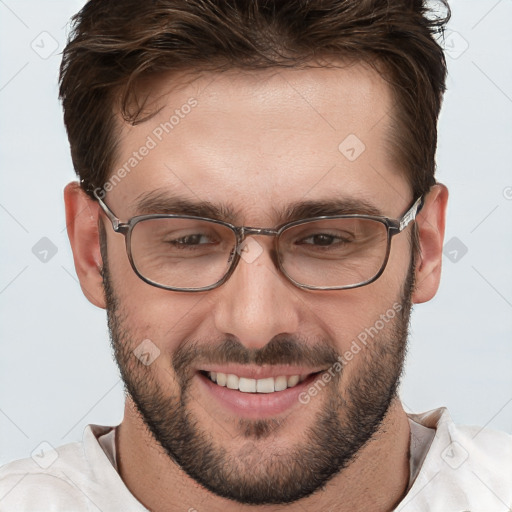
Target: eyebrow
(163, 202)
(326, 207)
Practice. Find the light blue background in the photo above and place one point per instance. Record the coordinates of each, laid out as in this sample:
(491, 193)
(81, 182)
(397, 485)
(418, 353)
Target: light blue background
(56, 369)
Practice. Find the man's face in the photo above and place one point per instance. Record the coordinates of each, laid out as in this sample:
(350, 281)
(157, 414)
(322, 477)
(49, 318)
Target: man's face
(256, 144)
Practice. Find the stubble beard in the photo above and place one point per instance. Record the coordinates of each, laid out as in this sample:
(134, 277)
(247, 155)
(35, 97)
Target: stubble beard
(347, 420)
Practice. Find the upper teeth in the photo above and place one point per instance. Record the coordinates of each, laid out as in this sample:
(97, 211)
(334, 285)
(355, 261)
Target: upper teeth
(268, 385)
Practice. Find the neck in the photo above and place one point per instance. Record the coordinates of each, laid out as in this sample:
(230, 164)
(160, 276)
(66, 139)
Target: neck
(376, 480)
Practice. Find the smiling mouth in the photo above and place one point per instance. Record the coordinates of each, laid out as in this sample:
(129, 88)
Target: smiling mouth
(246, 385)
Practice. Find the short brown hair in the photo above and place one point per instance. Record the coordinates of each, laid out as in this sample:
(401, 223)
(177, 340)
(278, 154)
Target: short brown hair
(115, 44)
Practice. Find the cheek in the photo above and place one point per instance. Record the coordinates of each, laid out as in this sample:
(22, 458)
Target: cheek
(148, 312)
(347, 315)
(165, 317)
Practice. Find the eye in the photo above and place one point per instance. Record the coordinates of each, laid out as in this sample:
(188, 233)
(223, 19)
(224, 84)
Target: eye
(323, 240)
(194, 239)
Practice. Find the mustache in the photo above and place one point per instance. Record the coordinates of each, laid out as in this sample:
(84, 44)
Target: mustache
(281, 349)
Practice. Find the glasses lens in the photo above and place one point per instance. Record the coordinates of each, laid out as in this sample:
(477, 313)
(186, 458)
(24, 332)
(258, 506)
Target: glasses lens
(333, 252)
(182, 253)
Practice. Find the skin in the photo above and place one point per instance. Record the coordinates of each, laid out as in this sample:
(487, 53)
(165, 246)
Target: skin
(255, 141)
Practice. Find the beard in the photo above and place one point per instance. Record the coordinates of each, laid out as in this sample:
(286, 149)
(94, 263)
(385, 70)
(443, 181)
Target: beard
(350, 414)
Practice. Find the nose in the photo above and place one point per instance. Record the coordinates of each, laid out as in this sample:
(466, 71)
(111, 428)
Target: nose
(257, 302)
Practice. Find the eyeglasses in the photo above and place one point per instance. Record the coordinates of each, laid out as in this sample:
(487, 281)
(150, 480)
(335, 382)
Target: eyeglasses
(192, 254)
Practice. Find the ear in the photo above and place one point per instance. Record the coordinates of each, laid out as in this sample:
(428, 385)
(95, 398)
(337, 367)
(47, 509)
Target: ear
(82, 215)
(431, 223)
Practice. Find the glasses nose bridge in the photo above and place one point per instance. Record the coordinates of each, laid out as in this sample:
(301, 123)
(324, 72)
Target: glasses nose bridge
(245, 231)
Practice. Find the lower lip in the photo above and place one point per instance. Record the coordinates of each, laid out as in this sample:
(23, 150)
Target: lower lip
(256, 405)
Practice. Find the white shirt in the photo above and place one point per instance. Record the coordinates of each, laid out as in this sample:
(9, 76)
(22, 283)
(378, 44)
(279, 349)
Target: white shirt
(453, 469)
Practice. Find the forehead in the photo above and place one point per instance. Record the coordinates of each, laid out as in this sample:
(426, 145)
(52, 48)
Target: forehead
(256, 139)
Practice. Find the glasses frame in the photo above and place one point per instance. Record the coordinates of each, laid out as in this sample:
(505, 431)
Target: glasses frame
(393, 227)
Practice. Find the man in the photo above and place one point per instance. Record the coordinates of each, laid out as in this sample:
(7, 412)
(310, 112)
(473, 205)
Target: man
(257, 212)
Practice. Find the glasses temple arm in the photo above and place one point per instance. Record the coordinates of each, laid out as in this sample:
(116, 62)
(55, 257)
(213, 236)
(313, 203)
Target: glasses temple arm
(108, 212)
(410, 215)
